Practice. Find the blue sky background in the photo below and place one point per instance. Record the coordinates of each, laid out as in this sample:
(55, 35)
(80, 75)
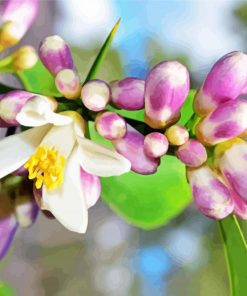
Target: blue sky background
(201, 29)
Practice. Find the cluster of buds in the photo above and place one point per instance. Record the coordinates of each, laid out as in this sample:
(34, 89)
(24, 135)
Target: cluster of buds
(56, 56)
(56, 148)
(219, 187)
(16, 19)
(162, 95)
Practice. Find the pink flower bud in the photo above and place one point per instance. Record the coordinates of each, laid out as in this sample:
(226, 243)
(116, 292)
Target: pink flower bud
(155, 145)
(110, 125)
(231, 158)
(10, 104)
(240, 207)
(132, 147)
(167, 86)
(17, 17)
(68, 83)
(228, 121)
(177, 135)
(55, 54)
(211, 196)
(128, 93)
(192, 153)
(8, 224)
(95, 95)
(225, 81)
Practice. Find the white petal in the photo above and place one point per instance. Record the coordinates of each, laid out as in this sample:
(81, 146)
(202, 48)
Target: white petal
(62, 138)
(15, 150)
(101, 161)
(68, 203)
(91, 188)
(57, 119)
(38, 111)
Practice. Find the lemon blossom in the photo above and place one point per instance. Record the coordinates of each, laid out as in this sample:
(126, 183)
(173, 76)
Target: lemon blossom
(61, 160)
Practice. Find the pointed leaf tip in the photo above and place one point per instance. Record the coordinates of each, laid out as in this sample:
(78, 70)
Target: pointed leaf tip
(102, 53)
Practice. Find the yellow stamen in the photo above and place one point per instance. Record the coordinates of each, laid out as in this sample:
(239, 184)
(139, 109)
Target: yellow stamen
(46, 166)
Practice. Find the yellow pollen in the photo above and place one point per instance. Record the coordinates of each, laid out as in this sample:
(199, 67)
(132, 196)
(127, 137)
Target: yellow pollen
(46, 167)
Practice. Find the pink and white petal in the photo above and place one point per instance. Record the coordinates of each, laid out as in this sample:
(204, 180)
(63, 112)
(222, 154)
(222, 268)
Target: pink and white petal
(67, 203)
(91, 187)
(101, 161)
(16, 149)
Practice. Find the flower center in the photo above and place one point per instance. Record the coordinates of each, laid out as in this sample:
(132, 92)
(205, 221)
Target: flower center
(46, 166)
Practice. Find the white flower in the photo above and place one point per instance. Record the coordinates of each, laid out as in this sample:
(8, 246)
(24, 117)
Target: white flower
(65, 165)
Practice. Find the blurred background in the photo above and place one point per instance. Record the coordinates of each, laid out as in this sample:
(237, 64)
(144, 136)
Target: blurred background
(184, 258)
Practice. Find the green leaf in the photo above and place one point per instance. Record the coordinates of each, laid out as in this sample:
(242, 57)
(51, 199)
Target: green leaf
(136, 115)
(147, 201)
(187, 109)
(102, 54)
(236, 254)
(38, 80)
(5, 290)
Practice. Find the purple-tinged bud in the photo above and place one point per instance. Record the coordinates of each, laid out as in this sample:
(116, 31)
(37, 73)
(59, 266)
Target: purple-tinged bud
(91, 188)
(240, 207)
(11, 104)
(26, 208)
(128, 93)
(155, 145)
(68, 83)
(95, 95)
(225, 81)
(110, 125)
(8, 224)
(192, 153)
(227, 121)
(177, 135)
(17, 17)
(55, 54)
(167, 86)
(8, 227)
(231, 159)
(132, 147)
(211, 196)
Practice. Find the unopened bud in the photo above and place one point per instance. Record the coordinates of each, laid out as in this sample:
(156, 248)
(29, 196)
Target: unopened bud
(192, 153)
(211, 195)
(110, 125)
(167, 86)
(155, 145)
(225, 81)
(177, 135)
(68, 83)
(131, 146)
(227, 121)
(232, 161)
(55, 54)
(24, 58)
(95, 95)
(128, 93)
(17, 17)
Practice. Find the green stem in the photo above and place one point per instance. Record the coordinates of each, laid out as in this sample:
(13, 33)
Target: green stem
(5, 63)
(235, 249)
